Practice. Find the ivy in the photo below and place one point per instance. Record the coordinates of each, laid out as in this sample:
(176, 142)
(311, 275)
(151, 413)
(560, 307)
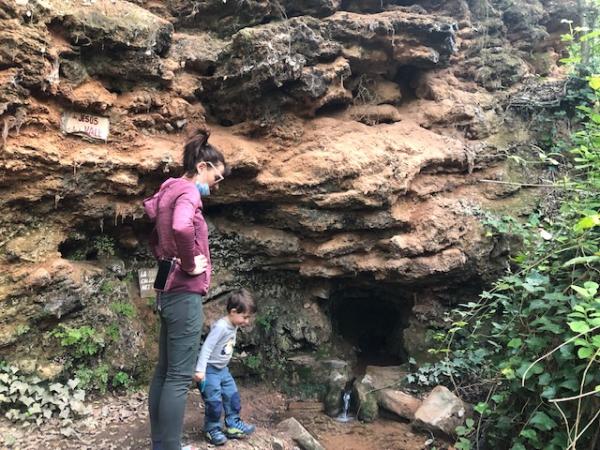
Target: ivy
(528, 352)
(27, 398)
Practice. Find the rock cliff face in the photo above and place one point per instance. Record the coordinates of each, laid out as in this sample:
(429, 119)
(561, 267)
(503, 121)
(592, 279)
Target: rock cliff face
(357, 132)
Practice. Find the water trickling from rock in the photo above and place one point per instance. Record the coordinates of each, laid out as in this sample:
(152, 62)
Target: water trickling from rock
(344, 417)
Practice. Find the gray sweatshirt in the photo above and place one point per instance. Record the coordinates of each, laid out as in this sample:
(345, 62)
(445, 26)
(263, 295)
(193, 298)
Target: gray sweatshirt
(218, 346)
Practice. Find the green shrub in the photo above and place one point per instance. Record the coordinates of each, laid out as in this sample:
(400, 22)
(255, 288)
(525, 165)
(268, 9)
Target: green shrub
(105, 246)
(124, 309)
(121, 380)
(93, 379)
(84, 341)
(531, 344)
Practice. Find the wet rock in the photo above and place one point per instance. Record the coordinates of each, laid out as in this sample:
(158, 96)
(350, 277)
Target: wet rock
(63, 299)
(337, 380)
(128, 239)
(72, 70)
(398, 402)
(330, 374)
(370, 6)
(440, 412)
(129, 65)
(35, 245)
(298, 433)
(116, 39)
(556, 11)
(523, 24)
(115, 266)
(366, 400)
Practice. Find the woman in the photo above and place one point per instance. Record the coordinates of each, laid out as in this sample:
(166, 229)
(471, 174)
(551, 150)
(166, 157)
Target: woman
(181, 235)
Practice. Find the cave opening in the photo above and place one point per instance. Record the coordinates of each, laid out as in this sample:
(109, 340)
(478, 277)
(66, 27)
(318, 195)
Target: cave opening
(105, 240)
(408, 78)
(372, 320)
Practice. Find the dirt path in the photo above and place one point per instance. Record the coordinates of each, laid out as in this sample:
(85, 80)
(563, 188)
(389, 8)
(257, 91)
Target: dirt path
(121, 423)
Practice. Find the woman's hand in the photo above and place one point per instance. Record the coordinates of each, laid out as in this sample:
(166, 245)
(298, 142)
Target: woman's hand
(201, 264)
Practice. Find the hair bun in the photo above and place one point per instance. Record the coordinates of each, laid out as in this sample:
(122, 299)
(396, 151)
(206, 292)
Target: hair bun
(203, 131)
(200, 135)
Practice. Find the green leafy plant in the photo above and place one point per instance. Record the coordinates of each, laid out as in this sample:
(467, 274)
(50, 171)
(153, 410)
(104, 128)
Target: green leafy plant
(84, 341)
(266, 319)
(253, 362)
(108, 287)
(105, 246)
(94, 378)
(531, 344)
(122, 380)
(124, 309)
(22, 329)
(112, 332)
(463, 432)
(583, 43)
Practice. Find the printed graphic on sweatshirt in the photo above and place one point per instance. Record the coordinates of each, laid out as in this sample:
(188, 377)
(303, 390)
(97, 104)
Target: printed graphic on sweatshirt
(228, 347)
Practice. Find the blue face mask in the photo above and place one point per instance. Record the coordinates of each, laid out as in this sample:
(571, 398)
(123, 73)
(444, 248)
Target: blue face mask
(203, 189)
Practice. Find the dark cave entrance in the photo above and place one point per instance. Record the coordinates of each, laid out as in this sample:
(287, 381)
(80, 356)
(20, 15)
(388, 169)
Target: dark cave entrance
(372, 321)
(408, 78)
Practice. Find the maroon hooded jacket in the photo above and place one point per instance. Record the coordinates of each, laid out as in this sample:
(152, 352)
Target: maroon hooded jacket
(180, 231)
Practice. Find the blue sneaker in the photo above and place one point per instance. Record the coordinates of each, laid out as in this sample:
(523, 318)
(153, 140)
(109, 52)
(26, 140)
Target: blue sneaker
(238, 429)
(215, 436)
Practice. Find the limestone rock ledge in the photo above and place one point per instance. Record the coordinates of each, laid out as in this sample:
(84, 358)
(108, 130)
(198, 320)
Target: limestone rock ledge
(319, 203)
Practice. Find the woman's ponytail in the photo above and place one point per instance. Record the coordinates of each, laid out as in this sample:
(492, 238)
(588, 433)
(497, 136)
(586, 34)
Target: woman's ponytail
(197, 149)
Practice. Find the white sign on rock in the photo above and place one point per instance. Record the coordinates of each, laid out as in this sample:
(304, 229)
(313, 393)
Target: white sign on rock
(146, 279)
(85, 124)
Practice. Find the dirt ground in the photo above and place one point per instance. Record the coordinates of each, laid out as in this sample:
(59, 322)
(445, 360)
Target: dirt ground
(121, 423)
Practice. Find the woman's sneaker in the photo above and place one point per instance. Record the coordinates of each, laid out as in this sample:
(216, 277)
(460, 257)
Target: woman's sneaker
(238, 429)
(216, 436)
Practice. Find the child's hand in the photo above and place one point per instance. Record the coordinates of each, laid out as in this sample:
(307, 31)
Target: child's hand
(198, 377)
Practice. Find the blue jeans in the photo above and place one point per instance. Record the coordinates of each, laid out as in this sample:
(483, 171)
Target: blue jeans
(220, 393)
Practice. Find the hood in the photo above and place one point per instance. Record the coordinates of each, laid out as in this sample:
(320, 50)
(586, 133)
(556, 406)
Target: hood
(151, 203)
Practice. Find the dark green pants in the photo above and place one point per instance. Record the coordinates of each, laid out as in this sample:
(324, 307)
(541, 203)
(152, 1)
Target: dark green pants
(181, 319)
